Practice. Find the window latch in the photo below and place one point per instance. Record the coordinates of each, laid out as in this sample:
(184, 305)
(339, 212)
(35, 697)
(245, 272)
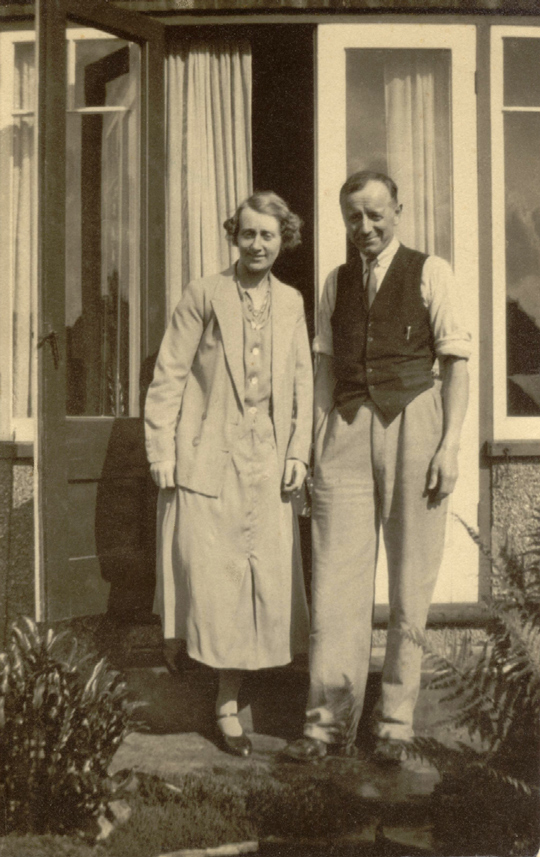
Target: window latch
(52, 339)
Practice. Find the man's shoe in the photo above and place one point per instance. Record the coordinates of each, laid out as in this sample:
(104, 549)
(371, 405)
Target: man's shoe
(306, 749)
(388, 751)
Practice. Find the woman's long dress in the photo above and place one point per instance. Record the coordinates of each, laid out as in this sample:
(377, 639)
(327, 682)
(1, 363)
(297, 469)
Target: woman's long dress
(229, 568)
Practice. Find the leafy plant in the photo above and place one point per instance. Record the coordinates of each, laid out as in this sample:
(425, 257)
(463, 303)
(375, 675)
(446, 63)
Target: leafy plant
(63, 719)
(346, 712)
(488, 801)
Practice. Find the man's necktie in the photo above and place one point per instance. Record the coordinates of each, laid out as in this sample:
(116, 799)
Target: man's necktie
(370, 282)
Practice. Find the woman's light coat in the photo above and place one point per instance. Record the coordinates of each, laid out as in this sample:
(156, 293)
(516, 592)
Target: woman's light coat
(195, 403)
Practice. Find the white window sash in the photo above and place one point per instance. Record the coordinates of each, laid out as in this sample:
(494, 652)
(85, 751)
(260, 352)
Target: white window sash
(504, 427)
(332, 42)
(21, 429)
(12, 428)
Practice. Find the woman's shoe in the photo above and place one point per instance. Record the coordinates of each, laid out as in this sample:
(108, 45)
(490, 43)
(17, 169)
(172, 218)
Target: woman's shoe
(236, 745)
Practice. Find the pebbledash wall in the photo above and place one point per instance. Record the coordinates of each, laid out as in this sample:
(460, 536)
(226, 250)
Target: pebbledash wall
(16, 534)
(510, 474)
(515, 503)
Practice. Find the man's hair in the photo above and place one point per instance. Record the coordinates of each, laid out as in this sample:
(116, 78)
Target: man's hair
(357, 181)
(268, 202)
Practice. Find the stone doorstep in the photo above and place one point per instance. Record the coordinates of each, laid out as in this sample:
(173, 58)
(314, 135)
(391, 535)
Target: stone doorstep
(178, 700)
(180, 705)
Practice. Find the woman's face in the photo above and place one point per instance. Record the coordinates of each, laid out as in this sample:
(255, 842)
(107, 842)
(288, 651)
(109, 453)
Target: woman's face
(259, 240)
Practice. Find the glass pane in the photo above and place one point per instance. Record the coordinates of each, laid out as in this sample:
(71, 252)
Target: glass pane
(522, 212)
(398, 122)
(102, 264)
(102, 72)
(521, 72)
(23, 246)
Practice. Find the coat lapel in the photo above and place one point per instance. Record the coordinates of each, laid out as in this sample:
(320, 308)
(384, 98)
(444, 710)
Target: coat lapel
(283, 325)
(228, 311)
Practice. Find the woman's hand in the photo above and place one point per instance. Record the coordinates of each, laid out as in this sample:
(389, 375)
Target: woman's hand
(295, 473)
(162, 472)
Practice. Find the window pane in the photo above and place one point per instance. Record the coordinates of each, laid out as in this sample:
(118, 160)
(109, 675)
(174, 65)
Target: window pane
(22, 221)
(522, 200)
(398, 122)
(102, 266)
(521, 72)
(101, 67)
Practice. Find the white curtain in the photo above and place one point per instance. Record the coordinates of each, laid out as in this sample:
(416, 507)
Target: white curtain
(208, 157)
(23, 234)
(417, 109)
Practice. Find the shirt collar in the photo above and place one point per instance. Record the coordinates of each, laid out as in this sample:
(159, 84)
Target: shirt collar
(384, 259)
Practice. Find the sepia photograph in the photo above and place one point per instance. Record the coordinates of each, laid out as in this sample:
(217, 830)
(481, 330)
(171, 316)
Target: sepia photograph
(269, 428)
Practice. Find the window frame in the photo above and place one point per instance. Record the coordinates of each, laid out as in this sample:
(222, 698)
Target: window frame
(505, 428)
(19, 430)
(461, 39)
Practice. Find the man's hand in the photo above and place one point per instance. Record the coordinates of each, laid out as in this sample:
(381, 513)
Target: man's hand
(162, 472)
(443, 470)
(443, 473)
(295, 473)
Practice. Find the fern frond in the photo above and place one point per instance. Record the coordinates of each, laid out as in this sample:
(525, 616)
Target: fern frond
(441, 756)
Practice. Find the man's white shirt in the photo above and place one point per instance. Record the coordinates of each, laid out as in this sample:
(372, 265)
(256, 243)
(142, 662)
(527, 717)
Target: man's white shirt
(440, 294)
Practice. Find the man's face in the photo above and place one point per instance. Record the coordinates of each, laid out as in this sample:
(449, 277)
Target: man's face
(371, 217)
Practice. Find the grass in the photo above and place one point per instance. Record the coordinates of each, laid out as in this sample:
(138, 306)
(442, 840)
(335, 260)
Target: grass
(213, 808)
(46, 846)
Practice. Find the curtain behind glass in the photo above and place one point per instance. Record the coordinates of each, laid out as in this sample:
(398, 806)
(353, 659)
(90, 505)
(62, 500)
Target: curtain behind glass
(23, 232)
(417, 102)
(208, 157)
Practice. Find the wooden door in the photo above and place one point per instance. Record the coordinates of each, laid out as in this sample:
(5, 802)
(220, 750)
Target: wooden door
(102, 302)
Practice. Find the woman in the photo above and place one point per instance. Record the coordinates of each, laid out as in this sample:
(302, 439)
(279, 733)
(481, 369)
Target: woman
(228, 426)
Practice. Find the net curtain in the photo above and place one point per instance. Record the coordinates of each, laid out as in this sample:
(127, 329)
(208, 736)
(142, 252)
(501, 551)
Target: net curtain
(417, 103)
(208, 157)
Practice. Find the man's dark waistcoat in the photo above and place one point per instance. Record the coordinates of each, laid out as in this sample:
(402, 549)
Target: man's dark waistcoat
(385, 353)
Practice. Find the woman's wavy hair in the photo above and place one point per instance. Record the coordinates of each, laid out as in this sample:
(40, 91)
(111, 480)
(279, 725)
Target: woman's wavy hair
(268, 202)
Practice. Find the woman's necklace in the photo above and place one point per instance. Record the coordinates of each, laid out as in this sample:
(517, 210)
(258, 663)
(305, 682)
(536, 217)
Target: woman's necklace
(255, 314)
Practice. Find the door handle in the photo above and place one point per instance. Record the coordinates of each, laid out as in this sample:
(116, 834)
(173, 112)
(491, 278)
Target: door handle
(52, 339)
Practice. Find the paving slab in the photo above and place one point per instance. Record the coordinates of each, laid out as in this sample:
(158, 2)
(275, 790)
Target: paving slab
(176, 738)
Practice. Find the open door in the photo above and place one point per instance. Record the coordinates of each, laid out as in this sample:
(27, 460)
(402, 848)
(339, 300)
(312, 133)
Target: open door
(102, 302)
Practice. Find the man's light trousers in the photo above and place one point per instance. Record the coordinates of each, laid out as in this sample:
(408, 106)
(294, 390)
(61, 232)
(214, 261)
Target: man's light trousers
(371, 477)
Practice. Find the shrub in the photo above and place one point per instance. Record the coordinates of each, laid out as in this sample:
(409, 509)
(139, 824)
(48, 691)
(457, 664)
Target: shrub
(488, 800)
(64, 718)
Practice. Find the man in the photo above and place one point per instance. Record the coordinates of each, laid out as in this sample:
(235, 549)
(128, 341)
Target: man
(387, 435)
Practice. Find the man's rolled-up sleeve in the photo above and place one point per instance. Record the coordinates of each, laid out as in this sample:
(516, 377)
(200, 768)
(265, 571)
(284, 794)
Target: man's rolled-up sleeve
(442, 296)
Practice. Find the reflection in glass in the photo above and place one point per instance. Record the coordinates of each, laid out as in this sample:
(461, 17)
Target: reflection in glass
(398, 122)
(522, 212)
(521, 72)
(102, 288)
